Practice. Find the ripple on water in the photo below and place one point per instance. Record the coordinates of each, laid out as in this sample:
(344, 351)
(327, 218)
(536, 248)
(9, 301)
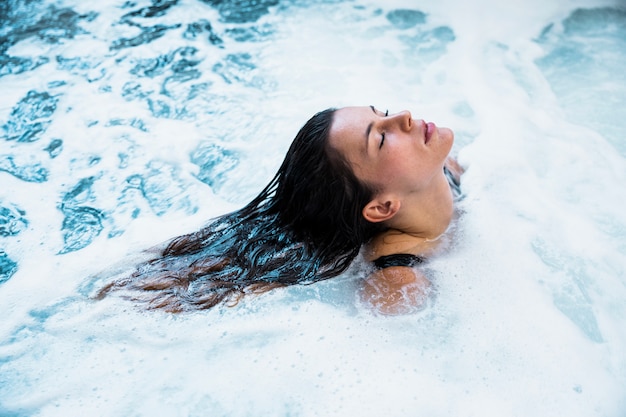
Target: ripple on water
(30, 117)
(589, 49)
(8, 267)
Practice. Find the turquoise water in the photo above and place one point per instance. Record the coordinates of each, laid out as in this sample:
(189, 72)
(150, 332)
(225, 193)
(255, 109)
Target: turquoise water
(124, 123)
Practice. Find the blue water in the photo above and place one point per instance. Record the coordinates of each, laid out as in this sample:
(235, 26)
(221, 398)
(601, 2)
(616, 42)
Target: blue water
(124, 123)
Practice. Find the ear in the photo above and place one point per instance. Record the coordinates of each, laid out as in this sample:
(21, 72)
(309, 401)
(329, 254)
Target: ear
(381, 209)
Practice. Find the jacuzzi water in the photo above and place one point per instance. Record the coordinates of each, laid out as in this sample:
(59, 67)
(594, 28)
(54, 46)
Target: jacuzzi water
(125, 123)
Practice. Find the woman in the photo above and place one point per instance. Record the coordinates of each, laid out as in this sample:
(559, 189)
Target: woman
(352, 177)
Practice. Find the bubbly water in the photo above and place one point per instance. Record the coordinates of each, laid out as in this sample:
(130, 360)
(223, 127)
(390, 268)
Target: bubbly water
(124, 123)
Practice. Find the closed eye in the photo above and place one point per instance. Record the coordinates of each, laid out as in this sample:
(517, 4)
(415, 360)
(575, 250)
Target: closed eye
(382, 139)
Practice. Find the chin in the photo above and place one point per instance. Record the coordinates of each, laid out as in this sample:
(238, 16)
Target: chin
(446, 138)
(446, 133)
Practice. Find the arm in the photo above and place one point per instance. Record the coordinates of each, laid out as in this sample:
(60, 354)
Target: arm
(395, 290)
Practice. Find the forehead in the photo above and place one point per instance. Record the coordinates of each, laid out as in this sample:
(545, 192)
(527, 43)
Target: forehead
(348, 128)
(349, 119)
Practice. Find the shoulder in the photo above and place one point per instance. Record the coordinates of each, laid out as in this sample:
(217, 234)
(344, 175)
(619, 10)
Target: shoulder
(395, 290)
(395, 286)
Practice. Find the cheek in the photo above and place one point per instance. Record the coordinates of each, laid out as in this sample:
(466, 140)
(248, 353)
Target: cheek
(380, 175)
(399, 171)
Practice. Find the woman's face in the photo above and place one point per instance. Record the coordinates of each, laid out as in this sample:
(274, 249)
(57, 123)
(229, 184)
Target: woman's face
(393, 153)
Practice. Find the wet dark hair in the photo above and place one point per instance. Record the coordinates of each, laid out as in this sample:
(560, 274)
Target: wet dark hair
(305, 226)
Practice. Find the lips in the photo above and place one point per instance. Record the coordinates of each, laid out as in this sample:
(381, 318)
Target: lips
(429, 130)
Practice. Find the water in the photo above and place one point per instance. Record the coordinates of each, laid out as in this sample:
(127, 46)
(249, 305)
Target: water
(124, 123)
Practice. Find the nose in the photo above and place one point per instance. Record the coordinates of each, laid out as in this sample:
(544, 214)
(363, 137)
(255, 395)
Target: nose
(403, 119)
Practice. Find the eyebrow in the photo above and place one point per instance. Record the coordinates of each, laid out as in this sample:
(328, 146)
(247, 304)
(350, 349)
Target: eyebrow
(368, 130)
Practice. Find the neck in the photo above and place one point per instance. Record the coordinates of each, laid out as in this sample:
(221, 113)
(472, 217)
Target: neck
(426, 214)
